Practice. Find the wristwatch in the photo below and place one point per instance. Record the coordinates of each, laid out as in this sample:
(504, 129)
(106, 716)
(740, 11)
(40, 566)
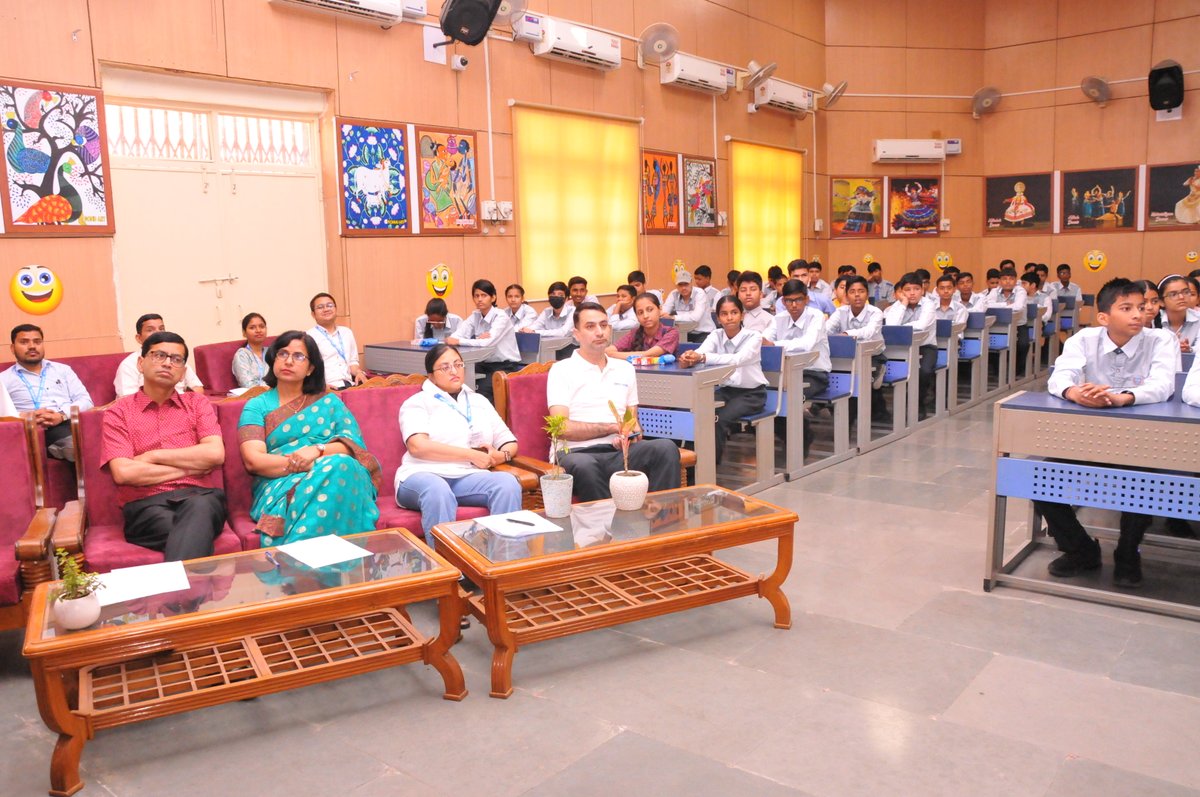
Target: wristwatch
(320, 450)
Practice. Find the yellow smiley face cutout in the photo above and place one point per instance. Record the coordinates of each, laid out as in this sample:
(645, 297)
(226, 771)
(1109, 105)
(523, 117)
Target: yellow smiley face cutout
(868, 258)
(439, 281)
(1095, 260)
(36, 290)
(943, 260)
(1192, 256)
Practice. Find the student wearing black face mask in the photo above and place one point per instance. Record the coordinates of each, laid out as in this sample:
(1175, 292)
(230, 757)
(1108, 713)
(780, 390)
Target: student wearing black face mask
(556, 320)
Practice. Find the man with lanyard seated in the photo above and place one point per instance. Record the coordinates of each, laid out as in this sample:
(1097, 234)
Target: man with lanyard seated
(46, 389)
(339, 349)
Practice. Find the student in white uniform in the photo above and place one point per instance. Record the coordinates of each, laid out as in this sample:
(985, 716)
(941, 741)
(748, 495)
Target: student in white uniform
(750, 295)
(1064, 287)
(637, 279)
(520, 313)
(974, 302)
(1176, 317)
(621, 316)
(577, 292)
(948, 307)
(702, 279)
(1034, 293)
(129, 377)
(879, 291)
(912, 310)
(555, 320)
(801, 328)
(437, 322)
(489, 327)
(688, 304)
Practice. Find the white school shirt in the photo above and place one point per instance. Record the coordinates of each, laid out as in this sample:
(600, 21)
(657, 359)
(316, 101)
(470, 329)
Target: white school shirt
(1190, 329)
(1071, 289)
(866, 326)
(920, 318)
(956, 313)
(549, 325)
(1145, 366)
(444, 419)
(758, 319)
(1016, 301)
(1170, 338)
(339, 351)
(502, 340)
(976, 304)
(882, 293)
(694, 308)
(522, 317)
(1191, 387)
(622, 322)
(743, 350)
(713, 294)
(806, 333)
(822, 287)
(1046, 302)
(452, 322)
(585, 390)
(129, 379)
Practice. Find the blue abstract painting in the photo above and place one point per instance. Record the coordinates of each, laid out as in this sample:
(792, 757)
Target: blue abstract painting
(374, 177)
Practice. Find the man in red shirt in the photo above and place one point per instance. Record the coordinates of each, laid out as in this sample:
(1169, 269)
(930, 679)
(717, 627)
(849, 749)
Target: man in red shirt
(161, 448)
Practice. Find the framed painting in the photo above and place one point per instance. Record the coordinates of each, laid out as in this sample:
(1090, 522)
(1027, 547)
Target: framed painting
(914, 206)
(56, 164)
(660, 192)
(1018, 203)
(1173, 196)
(856, 207)
(1099, 200)
(449, 174)
(699, 195)
(373, 158)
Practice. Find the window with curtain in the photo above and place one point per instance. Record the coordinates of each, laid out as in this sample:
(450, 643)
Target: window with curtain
(767, 225)
(577, 191)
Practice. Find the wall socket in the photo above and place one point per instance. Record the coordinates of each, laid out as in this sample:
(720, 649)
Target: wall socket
(945, 225)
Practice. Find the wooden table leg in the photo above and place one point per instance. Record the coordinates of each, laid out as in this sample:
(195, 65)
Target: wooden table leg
(502, 639)
(53, 701)
(438, 649)
(770, 587)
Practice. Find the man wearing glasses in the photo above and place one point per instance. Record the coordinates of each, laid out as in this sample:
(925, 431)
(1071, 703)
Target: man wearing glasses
(161, 447)
(129, 378)
(338, 347)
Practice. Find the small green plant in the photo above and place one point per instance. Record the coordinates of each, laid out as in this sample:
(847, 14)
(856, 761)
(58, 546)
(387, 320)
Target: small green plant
(556, 426)
(76, 582)
(626, 424)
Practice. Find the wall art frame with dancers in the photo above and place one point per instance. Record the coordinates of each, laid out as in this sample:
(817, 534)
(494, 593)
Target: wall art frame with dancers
(856, 207)
(1099, 200)
(1018, 204)
(1173, 196)
(914, 205)
(660, 193)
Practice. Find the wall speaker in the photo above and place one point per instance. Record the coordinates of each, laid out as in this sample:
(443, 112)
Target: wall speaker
(1166, 85)
(468, 21)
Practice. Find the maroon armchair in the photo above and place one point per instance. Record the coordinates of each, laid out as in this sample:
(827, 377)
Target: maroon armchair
(24, 529)
(92, 527)
(214, 365)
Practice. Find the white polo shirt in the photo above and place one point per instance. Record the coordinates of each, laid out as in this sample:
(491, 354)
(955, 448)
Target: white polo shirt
(585, 390)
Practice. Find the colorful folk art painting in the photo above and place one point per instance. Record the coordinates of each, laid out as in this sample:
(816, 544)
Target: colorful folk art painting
(1099, 200)
(857, 207)
(1018, 203)
(660, 192)
(700, 194)
(56, 164)
(449, 181)
(914, 205)
(374, 162)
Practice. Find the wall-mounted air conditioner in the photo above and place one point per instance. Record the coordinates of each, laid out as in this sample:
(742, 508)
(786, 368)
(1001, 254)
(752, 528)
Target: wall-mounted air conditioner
(691, 72)
(782, 96)
(383, 12)
(578, 44)
(899, 150)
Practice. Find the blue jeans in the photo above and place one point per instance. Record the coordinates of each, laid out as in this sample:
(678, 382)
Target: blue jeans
(438, 497)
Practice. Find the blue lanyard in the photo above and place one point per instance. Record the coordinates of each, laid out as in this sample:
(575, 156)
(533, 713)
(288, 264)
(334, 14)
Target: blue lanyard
(262, 366)
(36, 398)
(337, 344)
(454, 405)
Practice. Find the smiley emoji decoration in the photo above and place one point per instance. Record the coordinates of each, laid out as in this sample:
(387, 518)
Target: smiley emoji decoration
(1192, 256)
(36, 290)
(440, 281)
(1095, 260)
(868, 259)
(943, 260)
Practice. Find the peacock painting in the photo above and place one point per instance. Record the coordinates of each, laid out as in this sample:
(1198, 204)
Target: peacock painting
(55, 164)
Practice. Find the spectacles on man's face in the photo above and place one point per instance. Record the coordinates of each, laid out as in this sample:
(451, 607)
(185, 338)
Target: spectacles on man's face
(295, 357)
(449, 368)
(1177, 294)
(795, 299)
(326, 306)
(159, 357)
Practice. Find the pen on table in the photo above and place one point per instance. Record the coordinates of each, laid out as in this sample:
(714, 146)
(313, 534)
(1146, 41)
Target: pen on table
(272, 559)
(522, 522)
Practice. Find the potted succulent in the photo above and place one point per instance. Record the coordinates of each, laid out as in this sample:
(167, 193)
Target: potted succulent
(74, 601)
(628, 487)
(557, 484)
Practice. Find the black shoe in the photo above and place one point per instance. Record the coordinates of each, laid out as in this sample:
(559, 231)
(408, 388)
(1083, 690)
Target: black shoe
(1072, 564)
(1128, 572)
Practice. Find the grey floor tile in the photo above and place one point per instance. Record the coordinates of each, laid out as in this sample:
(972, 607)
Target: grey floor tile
(1079, 777)
(882, 599)
(1162, 658)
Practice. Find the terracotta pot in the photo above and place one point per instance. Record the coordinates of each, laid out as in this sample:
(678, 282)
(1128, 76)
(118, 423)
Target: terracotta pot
(77, 613)
(628, 488)
(556, 494)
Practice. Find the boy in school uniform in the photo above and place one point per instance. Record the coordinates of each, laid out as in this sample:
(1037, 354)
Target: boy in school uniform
(1112, 364)
(731, 278)
(974, 302)
(863, 322)
(948, 307)
(815, 283)
(912, 310)
(555, 321)
(638, 280)
(993, 279)
(1009, 293)
(1035, 293)
(775, 280)
(880, 291)
(621, 317)
(798, 270)
(754, 316)
(1064, 287)
(800, 328)
(686, 303)
(702, 279)
(577, 291)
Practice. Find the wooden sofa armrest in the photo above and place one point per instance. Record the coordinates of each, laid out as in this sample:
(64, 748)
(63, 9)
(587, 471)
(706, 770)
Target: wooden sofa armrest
(687, 458)
(537, 466)
(68, 529)
(33, 550)
(527, 478)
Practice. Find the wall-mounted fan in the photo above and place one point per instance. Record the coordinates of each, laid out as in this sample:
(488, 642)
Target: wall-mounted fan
(833, 93)
(755, 75)
(986, 100)
(1096, 89)
(657, 43)
(511, 10)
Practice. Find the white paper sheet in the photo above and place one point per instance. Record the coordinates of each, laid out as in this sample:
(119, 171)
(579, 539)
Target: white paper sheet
(130, 583)
(322, 551)
(517, 524)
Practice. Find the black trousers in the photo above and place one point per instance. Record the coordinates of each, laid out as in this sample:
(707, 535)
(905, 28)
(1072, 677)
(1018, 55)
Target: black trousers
(181, 523)
(926, 379)
(1072, 537)
(483, 375)
(739, 402)
(593, 466)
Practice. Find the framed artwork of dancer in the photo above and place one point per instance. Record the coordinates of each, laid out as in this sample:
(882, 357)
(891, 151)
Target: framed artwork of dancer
(700, 195)
(446, 168)
(856, 207)
(1018, 203)
(1099, 200)
(1173, 196)
(914, 206)
(660, 192)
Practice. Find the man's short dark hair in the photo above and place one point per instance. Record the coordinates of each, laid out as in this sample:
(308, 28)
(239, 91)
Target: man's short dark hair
(846, 268)
(944, 278)
(923, 273)
(797, 263)
(1032, 278)
(815, 264)
(703, 271)
(1007, 262)
(143, 319)
(950, 270)
(19, 328)
(993, 273)
(750, 276)
(314, 383)
(576, 280)
(1030, 266)
(165, 337)
(636, 276)
(312, 303)
(556, 286)
(911, 278)
(1042, 269)
(842, 279)
(588, 306)
(1113, 290)
(965, 274)
(732, 275)
(774, 273)
(632, 291)
(793, 287)
(857, 279)
(874, 266)
(1008, 271)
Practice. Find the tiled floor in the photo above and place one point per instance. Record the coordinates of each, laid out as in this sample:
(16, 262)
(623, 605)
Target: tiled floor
(899, 677)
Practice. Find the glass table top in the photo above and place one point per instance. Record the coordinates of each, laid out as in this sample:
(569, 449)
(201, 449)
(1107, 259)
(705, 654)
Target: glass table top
(599, 523)
(261, 576)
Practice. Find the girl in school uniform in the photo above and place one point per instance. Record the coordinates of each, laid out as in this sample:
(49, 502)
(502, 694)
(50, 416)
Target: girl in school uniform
(1177, 316)
(651, 338)
(520, 313)
(437, 322)
(745, 390)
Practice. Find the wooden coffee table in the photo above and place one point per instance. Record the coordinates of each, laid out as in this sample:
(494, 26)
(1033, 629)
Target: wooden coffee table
(607, 567)
(252, 623)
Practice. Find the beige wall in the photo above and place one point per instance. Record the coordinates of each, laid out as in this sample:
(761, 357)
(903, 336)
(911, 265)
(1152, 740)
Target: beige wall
(880, 46)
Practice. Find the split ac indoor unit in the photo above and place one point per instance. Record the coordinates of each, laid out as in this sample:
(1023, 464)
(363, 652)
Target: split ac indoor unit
(695, 73)
(383, 12)
(899, 150)
(566, 41)
(782, 96)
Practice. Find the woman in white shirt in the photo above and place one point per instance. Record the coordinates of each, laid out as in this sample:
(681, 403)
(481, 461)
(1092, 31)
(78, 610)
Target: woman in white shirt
(489, 327)
(745, 390)
(521, 314)
(452, 437)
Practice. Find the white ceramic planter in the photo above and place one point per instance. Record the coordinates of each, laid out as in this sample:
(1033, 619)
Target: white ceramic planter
(556, 495)
(77, 613)
(628, 489)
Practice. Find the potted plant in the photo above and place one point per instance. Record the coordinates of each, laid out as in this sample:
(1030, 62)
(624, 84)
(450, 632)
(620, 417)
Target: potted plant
(74, 601)
(628, 487)
(557, 484)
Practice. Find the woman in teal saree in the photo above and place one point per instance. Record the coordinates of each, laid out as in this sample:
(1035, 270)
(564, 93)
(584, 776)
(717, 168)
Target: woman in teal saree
(315, 477)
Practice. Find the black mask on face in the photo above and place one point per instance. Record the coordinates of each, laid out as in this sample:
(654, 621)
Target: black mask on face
(557, 301)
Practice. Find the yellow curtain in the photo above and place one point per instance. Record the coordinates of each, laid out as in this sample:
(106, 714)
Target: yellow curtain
(767, 221)
(577, 194)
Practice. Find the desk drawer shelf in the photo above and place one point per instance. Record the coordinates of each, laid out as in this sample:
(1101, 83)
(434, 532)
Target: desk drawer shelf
(1144, 492)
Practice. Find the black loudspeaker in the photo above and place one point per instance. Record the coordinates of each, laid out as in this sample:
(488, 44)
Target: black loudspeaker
(1166, 86)
(468, 21)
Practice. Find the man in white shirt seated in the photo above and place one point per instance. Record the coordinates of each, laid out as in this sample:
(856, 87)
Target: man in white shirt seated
(621, 316)
(637, 279)
(1064, 287)
(815, 283)
(912, 310)
(688, 304)
(967, 297)
(577, 290)
(864, 322)
(44, 388)
(580, 389)
(702, 279)
(754, 316)
(339, 349)
(129, 377)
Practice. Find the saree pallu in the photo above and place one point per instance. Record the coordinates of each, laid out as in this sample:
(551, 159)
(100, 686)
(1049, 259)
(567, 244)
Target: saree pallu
(337, 496)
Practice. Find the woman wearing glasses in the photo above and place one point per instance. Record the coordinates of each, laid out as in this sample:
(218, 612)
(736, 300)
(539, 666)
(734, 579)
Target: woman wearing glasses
(453, 436)
(1177, 315)
(315, 477)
